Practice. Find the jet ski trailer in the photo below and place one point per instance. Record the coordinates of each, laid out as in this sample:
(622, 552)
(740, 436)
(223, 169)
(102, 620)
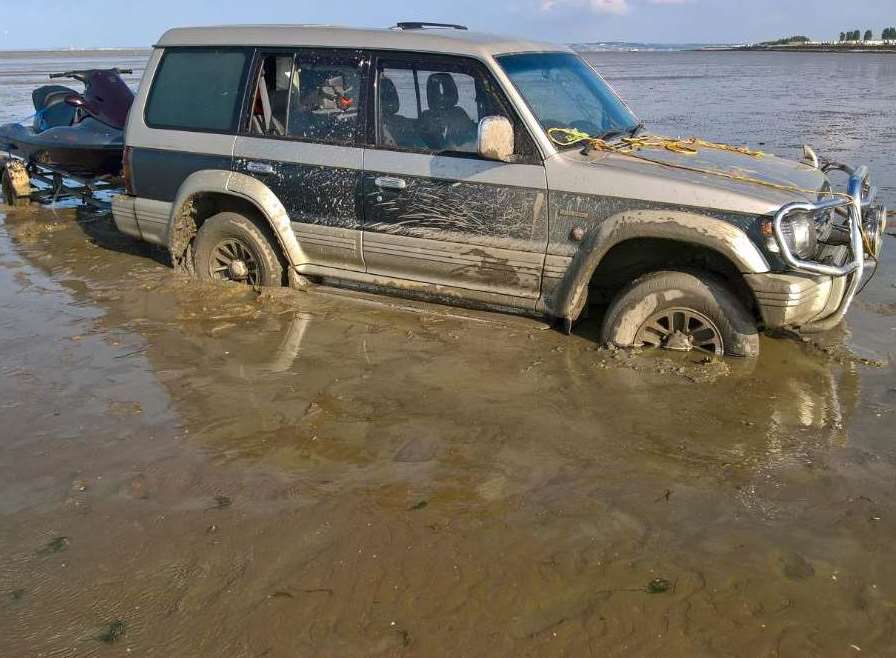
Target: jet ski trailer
(24, 183)
(73, 149)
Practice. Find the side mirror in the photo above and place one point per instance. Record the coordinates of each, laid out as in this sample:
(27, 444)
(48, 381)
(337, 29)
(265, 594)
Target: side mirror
(495, 139)
(75, 100)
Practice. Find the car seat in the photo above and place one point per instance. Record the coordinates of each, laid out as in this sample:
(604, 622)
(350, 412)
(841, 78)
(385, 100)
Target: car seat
(398, 130)
(446, 125)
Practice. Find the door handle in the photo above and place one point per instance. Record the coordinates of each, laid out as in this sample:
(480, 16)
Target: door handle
(390, 183)
(260, 167)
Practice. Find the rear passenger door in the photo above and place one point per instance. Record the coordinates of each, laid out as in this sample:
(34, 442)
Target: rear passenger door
(301, 137)
(434, 211)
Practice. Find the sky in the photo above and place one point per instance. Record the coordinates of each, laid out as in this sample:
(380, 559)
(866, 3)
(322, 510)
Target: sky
(129, 23)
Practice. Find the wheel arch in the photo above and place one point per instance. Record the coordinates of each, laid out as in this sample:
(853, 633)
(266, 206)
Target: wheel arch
(682, 236)
(206, 193)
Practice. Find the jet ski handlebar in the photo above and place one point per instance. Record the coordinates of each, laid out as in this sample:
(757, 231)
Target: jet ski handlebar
(83, 73)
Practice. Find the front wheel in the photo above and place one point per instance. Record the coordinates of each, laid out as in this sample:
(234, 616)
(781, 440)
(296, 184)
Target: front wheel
(231, 247)
(681, 311)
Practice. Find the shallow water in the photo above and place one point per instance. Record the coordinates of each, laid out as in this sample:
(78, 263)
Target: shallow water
(22, 72)
(190, 470)
(842, 104)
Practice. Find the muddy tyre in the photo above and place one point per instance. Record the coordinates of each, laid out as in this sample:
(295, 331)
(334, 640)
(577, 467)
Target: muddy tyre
(681, 311)
(16, 185)
(231, 247)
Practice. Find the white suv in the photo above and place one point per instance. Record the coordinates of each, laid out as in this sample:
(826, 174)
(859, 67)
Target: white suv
(474, 169)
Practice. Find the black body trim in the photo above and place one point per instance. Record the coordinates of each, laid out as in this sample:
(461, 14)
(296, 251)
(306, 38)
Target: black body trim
(158, 174)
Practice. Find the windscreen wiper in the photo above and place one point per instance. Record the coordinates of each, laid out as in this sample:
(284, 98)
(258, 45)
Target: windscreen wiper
(616, 132)
(611, 134)
(619, 132)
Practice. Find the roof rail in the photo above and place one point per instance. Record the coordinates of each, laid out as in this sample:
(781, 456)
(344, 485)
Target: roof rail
(423, 25)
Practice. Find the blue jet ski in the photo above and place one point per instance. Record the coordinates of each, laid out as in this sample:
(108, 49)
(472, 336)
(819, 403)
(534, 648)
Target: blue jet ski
(76, 133)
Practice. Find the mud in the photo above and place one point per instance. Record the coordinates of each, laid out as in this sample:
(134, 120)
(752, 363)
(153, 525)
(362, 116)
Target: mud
(191, 470)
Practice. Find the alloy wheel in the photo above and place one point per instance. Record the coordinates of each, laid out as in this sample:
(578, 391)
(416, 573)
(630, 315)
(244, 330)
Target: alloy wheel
(232, 260)
(681, 329)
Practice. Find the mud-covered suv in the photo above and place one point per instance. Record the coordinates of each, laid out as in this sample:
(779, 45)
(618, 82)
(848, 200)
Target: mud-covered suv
(472, 169)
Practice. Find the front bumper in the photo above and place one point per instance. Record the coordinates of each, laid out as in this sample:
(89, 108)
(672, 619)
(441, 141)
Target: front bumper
(796, 300)
(815, 296)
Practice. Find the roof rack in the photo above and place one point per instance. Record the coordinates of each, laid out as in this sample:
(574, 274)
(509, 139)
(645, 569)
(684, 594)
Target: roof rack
(423, 25)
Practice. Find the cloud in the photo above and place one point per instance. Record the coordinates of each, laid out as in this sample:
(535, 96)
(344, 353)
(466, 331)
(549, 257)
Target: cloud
(609, 6)
(617, 7)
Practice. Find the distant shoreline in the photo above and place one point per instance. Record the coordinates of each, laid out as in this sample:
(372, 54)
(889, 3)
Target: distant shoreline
(38, 53)
(70, 52)
(813, 48)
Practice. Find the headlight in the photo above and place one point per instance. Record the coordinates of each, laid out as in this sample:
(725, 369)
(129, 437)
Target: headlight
(800, 234)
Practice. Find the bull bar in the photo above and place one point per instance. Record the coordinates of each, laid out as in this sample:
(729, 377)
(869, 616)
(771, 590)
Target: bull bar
(860, 196)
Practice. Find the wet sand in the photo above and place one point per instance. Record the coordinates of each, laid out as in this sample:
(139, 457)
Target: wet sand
(192, 470)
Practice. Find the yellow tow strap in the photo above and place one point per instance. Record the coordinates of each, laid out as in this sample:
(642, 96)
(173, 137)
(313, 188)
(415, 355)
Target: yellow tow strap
(630, 146)
(690, 146)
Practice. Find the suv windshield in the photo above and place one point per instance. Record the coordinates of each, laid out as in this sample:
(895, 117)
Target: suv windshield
(563, 91)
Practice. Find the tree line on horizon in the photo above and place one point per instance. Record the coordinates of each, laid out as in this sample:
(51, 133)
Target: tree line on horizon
(888, 34)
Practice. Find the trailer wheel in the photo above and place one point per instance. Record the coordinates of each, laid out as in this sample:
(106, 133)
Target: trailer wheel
(16, 184)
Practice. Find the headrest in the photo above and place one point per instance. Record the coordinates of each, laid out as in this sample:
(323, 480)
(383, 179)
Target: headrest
(389, 102)
(441, 91)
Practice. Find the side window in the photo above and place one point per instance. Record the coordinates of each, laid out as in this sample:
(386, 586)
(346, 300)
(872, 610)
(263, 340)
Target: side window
(325, 100)
(307, 97)
(270, 102)
(197, 89)
(430, 110)
(435, 106)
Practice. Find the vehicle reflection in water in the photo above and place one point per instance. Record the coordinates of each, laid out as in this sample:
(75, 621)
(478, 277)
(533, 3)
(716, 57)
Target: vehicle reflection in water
(346, 380)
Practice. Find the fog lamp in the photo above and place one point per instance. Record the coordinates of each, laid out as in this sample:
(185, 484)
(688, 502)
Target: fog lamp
(874, 223)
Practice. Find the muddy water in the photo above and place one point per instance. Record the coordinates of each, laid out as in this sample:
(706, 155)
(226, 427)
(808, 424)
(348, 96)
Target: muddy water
(192, 470)
(206, 471)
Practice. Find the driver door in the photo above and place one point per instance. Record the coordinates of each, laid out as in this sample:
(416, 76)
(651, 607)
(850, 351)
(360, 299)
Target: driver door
(434, 211)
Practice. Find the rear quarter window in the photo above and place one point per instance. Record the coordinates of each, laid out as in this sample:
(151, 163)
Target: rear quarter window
(198, 90)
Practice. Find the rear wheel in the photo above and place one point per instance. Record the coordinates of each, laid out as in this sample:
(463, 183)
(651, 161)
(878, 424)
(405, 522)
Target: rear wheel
(231, 247)
(681, 311)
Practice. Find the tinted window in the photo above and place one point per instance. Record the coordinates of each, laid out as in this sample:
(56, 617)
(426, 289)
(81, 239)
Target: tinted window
(324, 101)
(197, 90)
(307, 96)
